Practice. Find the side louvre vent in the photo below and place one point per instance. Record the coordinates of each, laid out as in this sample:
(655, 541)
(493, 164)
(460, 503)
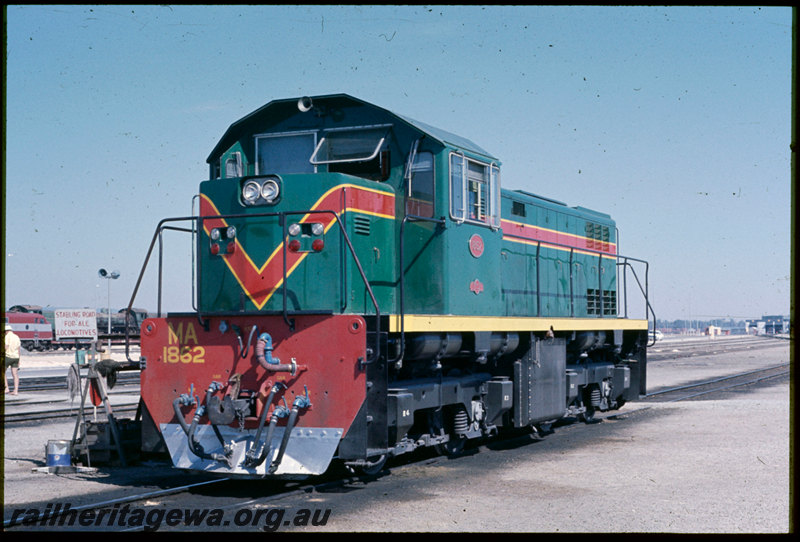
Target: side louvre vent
(361, 224)
(589, 235)
(609, 303)
(598, 237)
(592, 301)
(609, 306)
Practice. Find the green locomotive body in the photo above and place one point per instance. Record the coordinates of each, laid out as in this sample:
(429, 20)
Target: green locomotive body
(420, 303)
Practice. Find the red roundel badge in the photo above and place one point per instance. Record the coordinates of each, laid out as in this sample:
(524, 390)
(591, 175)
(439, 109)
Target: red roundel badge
(476, 245)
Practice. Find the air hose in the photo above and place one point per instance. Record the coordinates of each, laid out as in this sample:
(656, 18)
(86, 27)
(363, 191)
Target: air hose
(251, 460)
(194, 446)
(301, 401)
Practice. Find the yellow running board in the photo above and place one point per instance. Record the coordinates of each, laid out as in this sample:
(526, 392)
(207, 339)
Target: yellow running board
(418, 323)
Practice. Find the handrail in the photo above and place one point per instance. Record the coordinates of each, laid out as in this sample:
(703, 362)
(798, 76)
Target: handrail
(645, 291)
(156, 236)
(545, 244)
(407, 218)
(161, 226)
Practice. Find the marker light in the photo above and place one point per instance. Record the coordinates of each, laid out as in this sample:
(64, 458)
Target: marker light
(214, 249)
(215, 234)
(231, 248)
(317, 245)
(230, 233)
(294, 229)
(294, 245)
(317, 228)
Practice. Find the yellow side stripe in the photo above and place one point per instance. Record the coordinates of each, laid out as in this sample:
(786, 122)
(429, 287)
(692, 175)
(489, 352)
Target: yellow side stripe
(418, 323)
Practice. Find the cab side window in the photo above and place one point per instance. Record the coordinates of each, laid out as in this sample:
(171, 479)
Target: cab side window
(474, 191)
(419, 199)
(233, 165)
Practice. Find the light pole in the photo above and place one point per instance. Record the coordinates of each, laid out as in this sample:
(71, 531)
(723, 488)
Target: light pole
(103, 274)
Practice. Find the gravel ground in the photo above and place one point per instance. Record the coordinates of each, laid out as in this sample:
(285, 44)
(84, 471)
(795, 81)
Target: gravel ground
(717, 466)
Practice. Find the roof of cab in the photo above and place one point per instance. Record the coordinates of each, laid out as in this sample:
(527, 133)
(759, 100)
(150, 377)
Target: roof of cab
(288, 106)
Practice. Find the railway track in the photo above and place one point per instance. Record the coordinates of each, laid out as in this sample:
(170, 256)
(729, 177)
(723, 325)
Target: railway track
(47, 413)
(663, 351)
(338, 477)
(715, 385)
(48, 407)
(116, 340)
(669, 349)
(49, 383)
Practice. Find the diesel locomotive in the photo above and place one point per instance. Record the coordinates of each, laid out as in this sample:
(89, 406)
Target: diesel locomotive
(36, 327)
(363, 287)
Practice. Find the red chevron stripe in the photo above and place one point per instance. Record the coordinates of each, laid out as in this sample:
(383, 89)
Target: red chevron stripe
(260, 283)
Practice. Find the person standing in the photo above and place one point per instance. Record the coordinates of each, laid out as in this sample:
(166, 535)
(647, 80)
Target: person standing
(12, 358)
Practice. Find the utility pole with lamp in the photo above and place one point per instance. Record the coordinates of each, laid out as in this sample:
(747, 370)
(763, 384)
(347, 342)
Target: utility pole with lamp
(110, 275)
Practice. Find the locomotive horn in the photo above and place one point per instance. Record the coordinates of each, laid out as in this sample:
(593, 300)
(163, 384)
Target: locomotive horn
(304, 104)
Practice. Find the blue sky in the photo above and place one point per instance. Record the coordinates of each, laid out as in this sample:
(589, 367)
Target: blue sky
(674, 120)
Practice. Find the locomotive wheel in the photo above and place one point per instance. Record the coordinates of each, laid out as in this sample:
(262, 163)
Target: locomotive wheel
(588, 415)
(440, 422)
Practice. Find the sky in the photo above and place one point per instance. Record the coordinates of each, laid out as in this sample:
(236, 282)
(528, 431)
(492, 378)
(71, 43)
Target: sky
(674, 120)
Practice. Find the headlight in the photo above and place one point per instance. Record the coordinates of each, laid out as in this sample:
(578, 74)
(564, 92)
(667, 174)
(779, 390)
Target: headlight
(317, 228)
(260, 191)
(230, 233)
(269, 191)
(250, 192)
(294, 229)
(215, 234)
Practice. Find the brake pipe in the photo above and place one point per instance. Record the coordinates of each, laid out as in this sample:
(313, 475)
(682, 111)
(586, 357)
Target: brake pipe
(271, 364)
(301, 401)
(183, 400)
(251, 455)
(194, 446)
(278, 413)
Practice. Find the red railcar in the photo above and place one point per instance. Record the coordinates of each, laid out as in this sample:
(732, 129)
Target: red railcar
(34, 330)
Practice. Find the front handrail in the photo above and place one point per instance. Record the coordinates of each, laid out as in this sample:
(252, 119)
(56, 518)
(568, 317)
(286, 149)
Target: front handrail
(282, 218)
(156, 237)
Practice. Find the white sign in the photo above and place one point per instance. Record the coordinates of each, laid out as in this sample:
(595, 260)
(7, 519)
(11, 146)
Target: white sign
(76, 324)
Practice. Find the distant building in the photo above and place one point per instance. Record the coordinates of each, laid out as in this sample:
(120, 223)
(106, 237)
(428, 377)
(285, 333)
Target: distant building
(768, 325)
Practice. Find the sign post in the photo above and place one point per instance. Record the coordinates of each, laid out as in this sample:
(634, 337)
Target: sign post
(76, 324)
